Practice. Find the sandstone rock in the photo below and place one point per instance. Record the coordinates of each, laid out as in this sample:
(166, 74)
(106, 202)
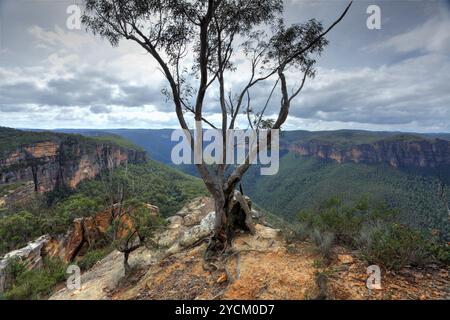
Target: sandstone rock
(175, 248)
(195, 211)
(198, 232)
(419, 152)
(264, 269)
(55, 247)
(30, 255)
(173, 232)
(90, 231)
(345, 258)
(104, 277)
(175, 222)
(154, 210)
(268, 233)
(44, 166)
(223, 278)
(84, 233)
(75, 240)
(169, 237)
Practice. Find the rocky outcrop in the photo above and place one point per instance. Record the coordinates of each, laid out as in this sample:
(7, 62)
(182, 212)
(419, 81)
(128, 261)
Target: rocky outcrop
(261, 266)
(348, 281)
(92, 232)
(195, 222)
(85, 233)
(30, 256)
(45, 166)
(188, 229)
(402, 153)
(192, 223)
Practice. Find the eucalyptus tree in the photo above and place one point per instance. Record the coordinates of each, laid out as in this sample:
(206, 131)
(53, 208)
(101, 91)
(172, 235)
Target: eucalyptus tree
(199, 45)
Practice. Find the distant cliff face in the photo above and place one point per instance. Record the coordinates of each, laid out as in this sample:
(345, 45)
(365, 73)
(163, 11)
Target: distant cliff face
(397, 153)
(45, 166)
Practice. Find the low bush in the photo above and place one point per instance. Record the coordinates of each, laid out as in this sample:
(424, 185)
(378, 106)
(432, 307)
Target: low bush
(396, 246)
(373, 231)
(36, 284)
(92, 257)
(324, 242)
(440, 250)
(297, 232)
(17, 229)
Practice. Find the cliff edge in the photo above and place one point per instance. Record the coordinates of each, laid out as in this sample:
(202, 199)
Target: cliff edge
(42, 162)
(261, 266)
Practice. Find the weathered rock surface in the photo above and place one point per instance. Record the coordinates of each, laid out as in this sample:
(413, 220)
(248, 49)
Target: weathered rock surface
(98, 282)
(84, 234)
(30, 255)
(199, 231)
(347, 280)
(418, 153)
(90, 232)
(193, 222)
(47, 165)
(261, 266)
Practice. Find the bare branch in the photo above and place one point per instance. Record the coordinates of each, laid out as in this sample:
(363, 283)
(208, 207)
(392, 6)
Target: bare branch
(267, 103)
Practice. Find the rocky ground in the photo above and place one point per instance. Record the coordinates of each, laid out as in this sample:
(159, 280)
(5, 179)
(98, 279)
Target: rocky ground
(347, 280)
(261, 266)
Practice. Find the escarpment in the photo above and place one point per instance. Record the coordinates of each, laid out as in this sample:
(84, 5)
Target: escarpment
(48, 165)
(399, 153)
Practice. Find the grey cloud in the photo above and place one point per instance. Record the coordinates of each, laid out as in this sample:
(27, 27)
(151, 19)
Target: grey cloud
(411, 91)
(402, 80)
(13, 108)
(431, 36)
(397, 94)
(83, 90)
(100, 109)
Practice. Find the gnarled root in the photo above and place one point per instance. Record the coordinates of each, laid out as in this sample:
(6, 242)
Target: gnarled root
(237, 211)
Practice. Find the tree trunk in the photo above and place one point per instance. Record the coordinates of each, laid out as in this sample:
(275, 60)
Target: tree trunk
(126, 265)
(232, 214)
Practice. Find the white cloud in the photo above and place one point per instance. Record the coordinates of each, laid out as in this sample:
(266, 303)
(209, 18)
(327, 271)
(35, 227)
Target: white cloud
(431, 37)
(59, 38)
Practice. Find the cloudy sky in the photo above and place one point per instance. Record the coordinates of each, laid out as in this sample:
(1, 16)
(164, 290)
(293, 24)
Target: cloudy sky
(396, 78)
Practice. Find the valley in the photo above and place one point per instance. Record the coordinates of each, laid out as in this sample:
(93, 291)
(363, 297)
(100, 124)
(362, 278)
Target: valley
(404, 170)
(327, 214)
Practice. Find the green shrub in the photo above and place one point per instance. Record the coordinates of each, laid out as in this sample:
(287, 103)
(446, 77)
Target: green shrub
(15, 268)
(16, 230)
(37, 284)
(92, 257)
(372, 230)
(324, 242)
(441, 251)
(396, 246)
(297, 232)
(344, 222)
